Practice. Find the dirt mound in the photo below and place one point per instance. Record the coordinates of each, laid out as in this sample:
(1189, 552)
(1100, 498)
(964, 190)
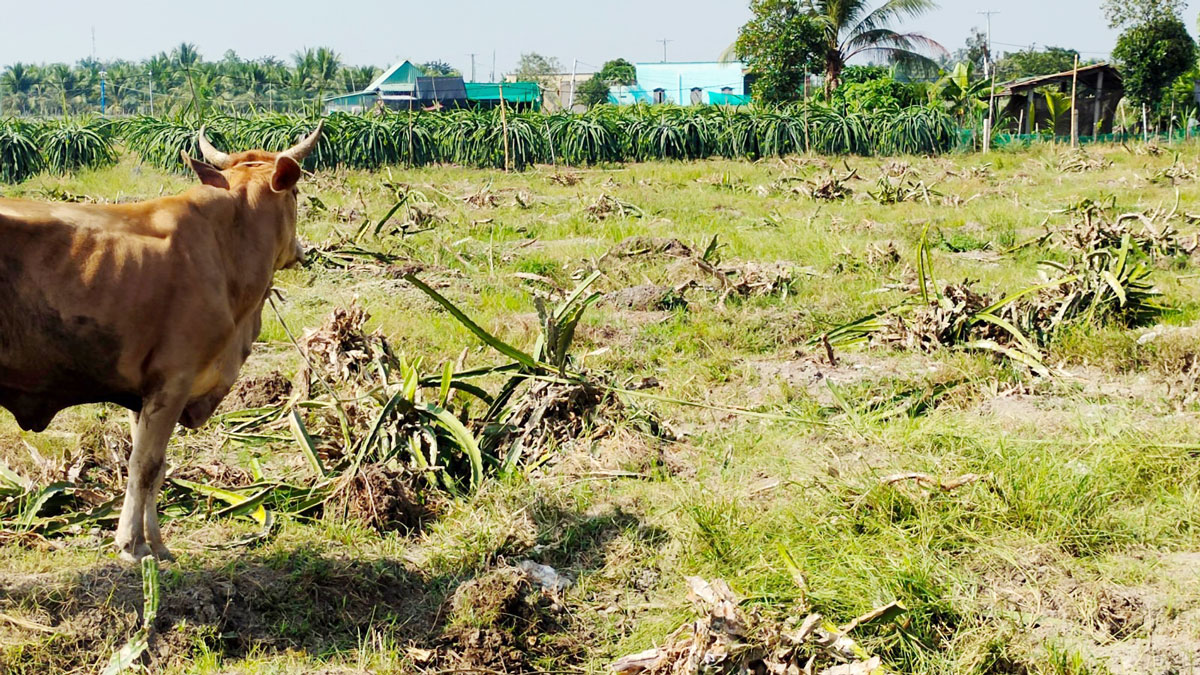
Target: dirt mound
(504, 621)
(646, 298)
(261, 391)
(632, 246)
(385, 498)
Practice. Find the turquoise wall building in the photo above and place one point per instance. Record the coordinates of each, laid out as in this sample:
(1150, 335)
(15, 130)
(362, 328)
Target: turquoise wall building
(690, 83)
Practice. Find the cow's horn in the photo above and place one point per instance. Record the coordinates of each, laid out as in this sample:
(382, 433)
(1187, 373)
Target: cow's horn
(212, 155)
(302, 149)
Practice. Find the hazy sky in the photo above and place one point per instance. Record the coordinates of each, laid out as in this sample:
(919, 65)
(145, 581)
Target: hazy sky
(378, 32)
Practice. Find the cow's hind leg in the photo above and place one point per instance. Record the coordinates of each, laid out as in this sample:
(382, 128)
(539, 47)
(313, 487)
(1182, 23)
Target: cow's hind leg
(147, 464)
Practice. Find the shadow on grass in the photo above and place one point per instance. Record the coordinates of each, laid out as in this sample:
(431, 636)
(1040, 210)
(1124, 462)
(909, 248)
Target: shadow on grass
(274, 602)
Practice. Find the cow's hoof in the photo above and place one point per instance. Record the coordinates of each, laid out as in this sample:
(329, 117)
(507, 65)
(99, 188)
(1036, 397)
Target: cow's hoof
(134, 553)
(162, 554)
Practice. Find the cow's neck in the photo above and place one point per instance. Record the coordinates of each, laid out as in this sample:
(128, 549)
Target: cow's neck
(248, 251)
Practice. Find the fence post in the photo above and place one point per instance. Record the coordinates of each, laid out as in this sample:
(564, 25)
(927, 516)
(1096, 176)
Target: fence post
(504, 126)
(1074, 105)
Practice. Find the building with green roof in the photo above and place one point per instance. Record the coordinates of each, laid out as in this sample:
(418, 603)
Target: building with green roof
(405, 86)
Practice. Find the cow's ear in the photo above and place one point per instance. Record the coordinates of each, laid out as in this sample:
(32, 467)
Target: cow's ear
(207, 173)
(287, 174)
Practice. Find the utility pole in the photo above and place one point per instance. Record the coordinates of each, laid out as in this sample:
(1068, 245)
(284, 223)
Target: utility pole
(103, 98)
(571, 100)
(987, 53)
(472, 67)
(150, 77)
(664, 42)
(493, 65)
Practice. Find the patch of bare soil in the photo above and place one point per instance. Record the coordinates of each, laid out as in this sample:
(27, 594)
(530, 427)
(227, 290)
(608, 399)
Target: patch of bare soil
(260, 391)
(1147, 628)
(814, 374)
(506, 621)
(647, 298)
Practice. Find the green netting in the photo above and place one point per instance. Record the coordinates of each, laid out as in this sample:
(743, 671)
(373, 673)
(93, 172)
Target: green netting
(514, 92)
(969, 137)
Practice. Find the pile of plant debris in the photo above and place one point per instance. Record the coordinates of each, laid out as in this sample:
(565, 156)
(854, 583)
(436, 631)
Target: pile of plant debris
(898, 184)
(1079, 160)
(1106, 285)
(707, 270)
(727, 639)
(382, 439)
(828, 187)
(607, 205)
(508, 620)
(1094, 225)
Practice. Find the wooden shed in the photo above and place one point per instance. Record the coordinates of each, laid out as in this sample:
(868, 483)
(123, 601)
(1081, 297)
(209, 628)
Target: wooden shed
(1024, 110)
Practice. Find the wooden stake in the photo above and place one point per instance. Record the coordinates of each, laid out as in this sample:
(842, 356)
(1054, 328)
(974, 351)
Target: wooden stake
(1074, 105)
(504, 126)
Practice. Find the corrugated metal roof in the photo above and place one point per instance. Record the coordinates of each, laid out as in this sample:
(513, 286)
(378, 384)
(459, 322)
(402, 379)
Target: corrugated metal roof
(1042, 80)
(400, 77)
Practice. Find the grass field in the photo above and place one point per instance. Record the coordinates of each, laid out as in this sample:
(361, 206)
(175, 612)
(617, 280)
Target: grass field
(1074, 547)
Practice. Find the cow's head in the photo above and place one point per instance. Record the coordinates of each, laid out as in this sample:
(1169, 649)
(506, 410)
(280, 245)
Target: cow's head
(268, 181)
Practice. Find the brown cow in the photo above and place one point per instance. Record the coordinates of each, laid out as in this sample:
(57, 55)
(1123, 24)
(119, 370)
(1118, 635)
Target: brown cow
(152, 306)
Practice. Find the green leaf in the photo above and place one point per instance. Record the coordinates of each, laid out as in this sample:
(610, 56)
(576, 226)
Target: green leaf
(488, 339)
(300, 433)
(465, 440)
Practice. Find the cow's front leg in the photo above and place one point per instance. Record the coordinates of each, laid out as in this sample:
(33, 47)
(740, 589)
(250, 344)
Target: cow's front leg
(147, 463)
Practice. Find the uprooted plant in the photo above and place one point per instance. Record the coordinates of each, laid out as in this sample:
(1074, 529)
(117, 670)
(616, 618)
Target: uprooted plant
(905, 185)
(1097, 224)
(381, 436)
(1106, 285)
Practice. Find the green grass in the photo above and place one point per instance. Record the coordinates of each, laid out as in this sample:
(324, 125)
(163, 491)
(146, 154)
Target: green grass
(1093, 487)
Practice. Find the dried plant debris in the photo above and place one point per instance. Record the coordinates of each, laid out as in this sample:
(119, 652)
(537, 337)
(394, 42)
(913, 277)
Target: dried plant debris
(340, 349)
(507, 620)
(905, 186)
(1080, 161)
(1105, 286)
(564, 178)
(552, 414)
(636, 246)
(827, 187)
(1173, 175)
(385, 498)
(1095, 225)
(729, 640)
(483, 199)
(260, 391)
(607, 205)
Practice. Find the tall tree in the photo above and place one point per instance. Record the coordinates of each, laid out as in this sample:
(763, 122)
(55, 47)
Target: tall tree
(1126, 13)
(852, 28)
(780, 45)
(1152, 55)
(533, 67)
(618, 72)
(1033, 62)
(439, 69)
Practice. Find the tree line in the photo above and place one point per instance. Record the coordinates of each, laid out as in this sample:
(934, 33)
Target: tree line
(181, 79)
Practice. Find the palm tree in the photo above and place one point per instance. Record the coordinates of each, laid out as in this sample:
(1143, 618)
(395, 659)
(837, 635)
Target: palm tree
(20, 79)
(62, 75)
(326, 64)
(852, 29)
